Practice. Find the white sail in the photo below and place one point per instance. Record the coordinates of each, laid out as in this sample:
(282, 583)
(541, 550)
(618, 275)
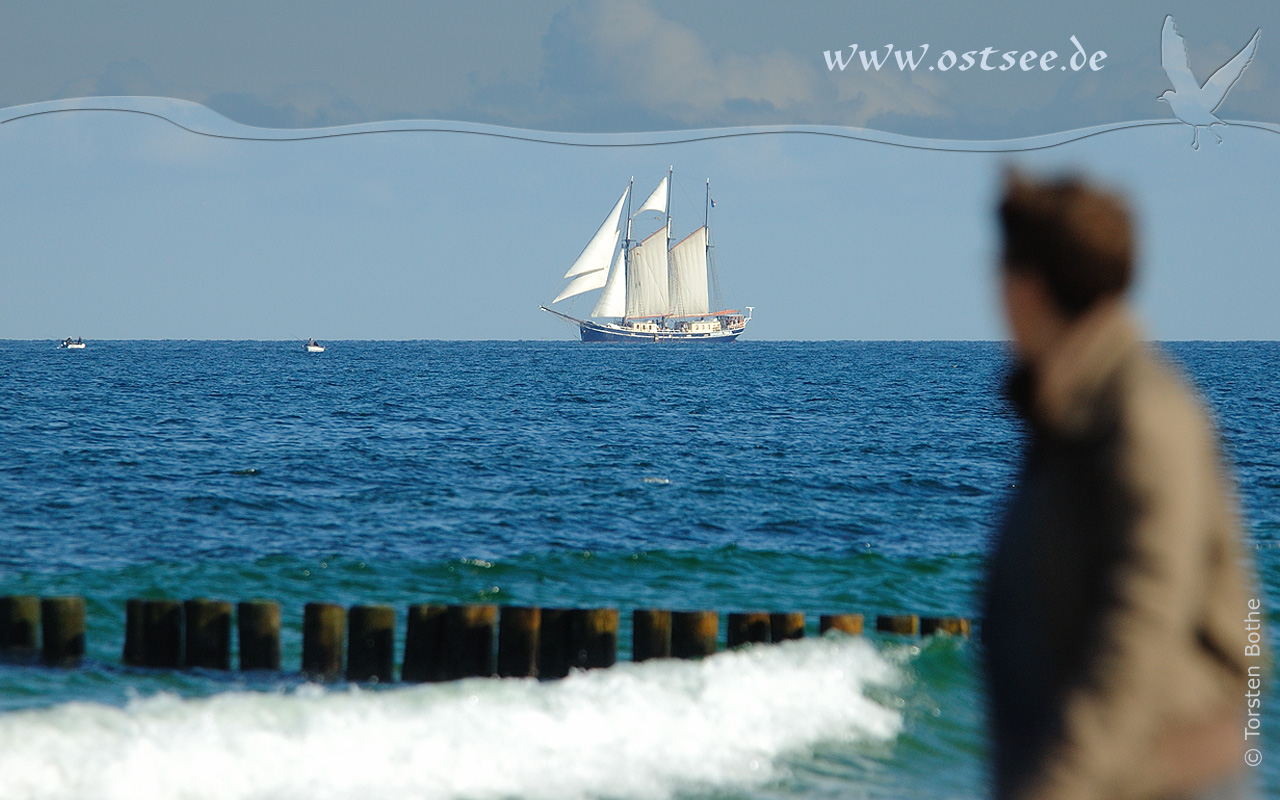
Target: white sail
(599, 250)
(613, 300)
(688, 278)
(647, 277)
(583, 283)
(651, 292)
(656, 202)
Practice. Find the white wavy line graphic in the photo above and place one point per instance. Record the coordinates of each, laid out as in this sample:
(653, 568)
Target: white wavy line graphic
(202, 121)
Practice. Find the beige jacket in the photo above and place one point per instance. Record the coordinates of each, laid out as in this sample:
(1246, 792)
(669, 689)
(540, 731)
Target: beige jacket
(1117, 595)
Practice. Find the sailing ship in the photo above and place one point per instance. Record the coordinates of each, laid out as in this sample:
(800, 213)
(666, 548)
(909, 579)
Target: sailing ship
(654, 291)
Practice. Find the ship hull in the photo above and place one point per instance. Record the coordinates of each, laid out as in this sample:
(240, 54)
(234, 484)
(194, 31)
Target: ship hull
(612, 333)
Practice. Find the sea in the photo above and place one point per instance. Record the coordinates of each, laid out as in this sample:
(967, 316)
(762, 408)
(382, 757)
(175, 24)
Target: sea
(813, 477)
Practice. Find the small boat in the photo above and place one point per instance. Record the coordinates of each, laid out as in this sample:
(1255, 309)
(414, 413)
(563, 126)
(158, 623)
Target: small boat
(654, 292)
(314, 347)
(71, 344)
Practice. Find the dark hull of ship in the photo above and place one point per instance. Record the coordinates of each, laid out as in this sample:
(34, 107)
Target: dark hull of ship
(604, 333)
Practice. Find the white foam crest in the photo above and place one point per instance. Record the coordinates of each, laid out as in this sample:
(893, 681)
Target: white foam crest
(636, 730)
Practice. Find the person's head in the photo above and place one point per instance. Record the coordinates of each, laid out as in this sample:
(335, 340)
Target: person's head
(1067, 247)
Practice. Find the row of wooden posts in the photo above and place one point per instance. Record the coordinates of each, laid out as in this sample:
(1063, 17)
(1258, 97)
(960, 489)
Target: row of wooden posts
(442, 642)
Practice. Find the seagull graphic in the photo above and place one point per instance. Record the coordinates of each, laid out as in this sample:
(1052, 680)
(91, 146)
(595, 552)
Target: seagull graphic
(1190, 102)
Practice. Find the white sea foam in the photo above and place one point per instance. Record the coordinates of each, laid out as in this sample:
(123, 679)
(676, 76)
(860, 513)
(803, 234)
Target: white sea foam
(636, 730)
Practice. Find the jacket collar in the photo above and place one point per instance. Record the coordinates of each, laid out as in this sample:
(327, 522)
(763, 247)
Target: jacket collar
(1062, 392)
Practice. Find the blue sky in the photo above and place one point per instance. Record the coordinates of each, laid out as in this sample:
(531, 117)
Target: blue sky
(125, 226)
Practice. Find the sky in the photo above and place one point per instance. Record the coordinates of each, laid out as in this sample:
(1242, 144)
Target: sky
(847, 203)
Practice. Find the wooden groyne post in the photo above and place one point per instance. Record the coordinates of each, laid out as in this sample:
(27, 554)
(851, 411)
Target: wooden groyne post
(62, 623)
(324, 627)
(694, 634)
(424, 644)
(553, 643)
(371, 648)
(19, 626)
(134, 632)
(519, 629)
(593, 638)
(650, 634)
(903, 624)
(258, 623)
(749, 627)
(161, 643)
(786, 625)
(469, 639)
(955, 626)
(208, 634)
(850, 624)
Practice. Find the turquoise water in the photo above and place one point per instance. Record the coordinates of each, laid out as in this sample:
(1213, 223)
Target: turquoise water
(811, 477)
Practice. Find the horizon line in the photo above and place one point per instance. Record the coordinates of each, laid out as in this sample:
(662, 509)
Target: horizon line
(294, 340)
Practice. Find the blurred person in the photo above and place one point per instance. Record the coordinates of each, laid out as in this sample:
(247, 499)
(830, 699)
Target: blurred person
(1117, 592)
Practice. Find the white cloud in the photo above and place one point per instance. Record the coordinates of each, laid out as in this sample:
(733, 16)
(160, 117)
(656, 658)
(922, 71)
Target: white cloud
(862, 98)
(642, 57)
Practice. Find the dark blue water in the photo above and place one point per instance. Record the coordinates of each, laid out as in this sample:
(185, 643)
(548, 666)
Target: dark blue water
(800, 476)
(431, 450)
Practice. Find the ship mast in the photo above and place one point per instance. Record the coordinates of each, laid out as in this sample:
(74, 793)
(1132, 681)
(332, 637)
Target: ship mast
(713, 278)
(706, 257)
(626, 249)
(670, 182)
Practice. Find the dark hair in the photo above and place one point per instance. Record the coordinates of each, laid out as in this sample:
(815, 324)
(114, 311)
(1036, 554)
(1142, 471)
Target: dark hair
(1076, 238)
